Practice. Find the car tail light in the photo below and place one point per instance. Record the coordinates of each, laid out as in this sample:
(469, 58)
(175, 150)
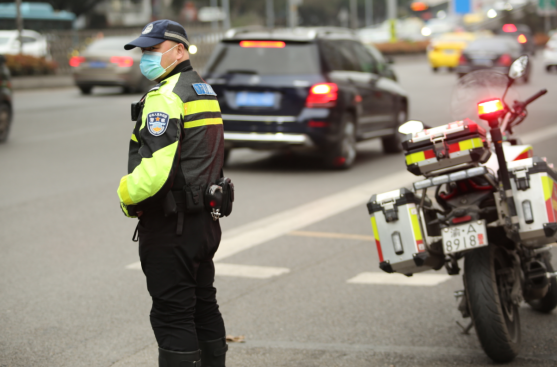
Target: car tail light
(490, 109)
(509, 28)
(462, 60)
(264, 44)
(75, 61)
(522, 39)
(122, 61)
(319, 124)
(505, 60)
(322, 95)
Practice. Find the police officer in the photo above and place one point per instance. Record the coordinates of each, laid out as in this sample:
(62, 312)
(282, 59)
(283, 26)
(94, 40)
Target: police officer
(176, 150)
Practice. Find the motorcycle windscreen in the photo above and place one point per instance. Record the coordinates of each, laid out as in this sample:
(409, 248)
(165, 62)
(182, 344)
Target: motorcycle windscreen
(479, 86)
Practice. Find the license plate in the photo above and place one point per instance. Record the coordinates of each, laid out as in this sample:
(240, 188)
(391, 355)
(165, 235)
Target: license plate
(253, 99)
(97, 64)
(464, 237)
(483, 62)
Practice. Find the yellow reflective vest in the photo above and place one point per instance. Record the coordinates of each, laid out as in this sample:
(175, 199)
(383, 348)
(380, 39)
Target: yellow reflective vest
(179, 131)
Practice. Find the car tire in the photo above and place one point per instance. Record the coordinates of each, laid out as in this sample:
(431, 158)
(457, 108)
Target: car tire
(343, 153)
(451, 70)
(393, 144)
(85, 89)
(434, 69)
(5, 121)
(460, 75)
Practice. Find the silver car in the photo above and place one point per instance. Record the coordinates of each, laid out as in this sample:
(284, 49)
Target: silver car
(106, 63)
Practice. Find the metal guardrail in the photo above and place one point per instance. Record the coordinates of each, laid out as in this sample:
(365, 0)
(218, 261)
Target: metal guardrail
(65, 44)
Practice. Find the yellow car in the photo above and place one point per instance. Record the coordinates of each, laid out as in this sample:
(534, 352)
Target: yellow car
(445, 51)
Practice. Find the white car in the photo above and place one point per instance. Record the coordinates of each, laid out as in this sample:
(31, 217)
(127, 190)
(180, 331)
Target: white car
(34, 44)
(550, 53)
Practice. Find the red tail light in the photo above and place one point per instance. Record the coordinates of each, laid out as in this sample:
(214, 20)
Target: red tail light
(464, 219)
(505, 60)
(322, 95)
(522, 39)
(265, 44)
(462, 60)
(122, 61)
(509, 28)
(75, 61)
(319, 124)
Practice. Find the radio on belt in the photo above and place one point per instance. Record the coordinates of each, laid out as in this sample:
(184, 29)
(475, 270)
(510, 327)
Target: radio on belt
(398, 234)
(219, 197)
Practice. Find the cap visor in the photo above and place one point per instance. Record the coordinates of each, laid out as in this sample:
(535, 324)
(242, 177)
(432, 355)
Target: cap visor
(143, 42)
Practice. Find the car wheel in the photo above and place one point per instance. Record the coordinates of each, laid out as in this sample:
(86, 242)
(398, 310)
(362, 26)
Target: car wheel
(435, 69)
(343, 153)
(85, 89)
(460, 75)
(393, 144)
(5, 121)
(451, 69)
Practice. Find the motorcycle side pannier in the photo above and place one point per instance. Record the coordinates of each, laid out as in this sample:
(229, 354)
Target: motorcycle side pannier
(398, 236)
(446, 146)
(534, 185)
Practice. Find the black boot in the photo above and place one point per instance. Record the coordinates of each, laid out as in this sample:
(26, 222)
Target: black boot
(168, 358)
(213, 352)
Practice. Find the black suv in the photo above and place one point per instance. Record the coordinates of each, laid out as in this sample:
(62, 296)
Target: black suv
(305, 88)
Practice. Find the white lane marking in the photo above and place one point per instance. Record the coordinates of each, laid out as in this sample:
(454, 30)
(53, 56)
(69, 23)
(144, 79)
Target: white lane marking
(419, 280)
(274, 226)
(233, 270)
(249, 271)
(134, 266)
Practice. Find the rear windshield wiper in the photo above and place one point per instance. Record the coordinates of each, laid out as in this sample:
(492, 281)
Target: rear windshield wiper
(241, 71)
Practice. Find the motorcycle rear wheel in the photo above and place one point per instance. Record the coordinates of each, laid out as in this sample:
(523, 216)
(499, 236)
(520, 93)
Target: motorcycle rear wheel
(495, 316)
(549, 301)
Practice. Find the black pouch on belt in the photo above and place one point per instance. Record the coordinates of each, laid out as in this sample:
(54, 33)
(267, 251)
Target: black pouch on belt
(194, 199)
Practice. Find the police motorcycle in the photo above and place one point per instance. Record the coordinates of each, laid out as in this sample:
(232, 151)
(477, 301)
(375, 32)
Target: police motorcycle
(485, 198)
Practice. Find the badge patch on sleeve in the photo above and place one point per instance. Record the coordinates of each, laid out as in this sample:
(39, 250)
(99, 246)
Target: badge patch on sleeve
(157, 122)
(203, 89)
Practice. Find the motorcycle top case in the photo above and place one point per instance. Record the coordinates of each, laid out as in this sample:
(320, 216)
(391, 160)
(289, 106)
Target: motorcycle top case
(534, 185)
(398, 236)
(446, 146)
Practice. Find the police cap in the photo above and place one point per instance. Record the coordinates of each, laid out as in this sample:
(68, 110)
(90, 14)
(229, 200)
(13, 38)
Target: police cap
(157, 32)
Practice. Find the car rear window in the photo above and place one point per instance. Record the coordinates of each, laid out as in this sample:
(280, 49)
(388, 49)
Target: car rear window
(293, 58)
(109, 44)
(494, 45)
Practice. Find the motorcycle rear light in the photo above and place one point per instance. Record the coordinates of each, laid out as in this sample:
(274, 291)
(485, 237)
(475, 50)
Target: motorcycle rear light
(527, 211)
(490, 109)
(122, 61)
(509, 28)
(319, 124)
(522, 39)
(462, 60)
(262, 44)
(505, 60)
(75, 61)
(464, 219)
(322, 95)
(397, 243)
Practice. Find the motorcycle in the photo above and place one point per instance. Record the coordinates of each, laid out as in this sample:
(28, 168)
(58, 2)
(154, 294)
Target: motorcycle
(485, 198)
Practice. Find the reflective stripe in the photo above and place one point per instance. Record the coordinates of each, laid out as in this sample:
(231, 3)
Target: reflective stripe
(202, 122)
(148, 177)
(134, 138)
(417, 157)
(470, 144)
(416, 230)
(202, 105)
(376, 236)
(123, 192)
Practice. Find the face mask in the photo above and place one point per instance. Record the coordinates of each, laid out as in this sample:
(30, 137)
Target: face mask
(150, 64)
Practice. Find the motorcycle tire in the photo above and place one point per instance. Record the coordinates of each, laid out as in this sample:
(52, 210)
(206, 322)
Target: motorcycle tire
(549, 301)
(495, 316)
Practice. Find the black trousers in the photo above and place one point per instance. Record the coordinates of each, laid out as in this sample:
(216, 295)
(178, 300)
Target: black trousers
(180, 275)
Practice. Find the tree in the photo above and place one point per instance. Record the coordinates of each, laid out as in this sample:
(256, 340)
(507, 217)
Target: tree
(77, 7)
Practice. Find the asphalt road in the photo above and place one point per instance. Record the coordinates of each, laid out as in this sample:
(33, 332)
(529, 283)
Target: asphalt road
(70, 293)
